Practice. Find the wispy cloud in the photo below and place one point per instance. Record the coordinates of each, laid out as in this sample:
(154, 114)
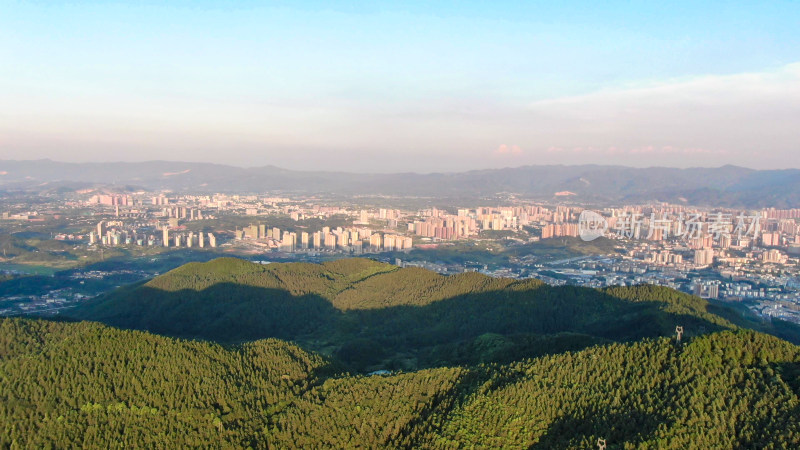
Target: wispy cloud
(708, 118)
(508, 150)
(748, 119)
(182, 172)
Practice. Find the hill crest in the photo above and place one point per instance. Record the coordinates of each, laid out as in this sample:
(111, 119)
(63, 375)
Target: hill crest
(370, 315)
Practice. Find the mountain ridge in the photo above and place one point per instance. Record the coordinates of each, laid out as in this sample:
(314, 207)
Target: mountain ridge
(370, 315)
(721, 186)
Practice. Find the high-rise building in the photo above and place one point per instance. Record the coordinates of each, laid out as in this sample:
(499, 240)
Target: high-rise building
(773, 256)
(165, 236)
(201, 242)
(251, 232)
(330, 241)
(288, 241)
(388, 242)
(703, 257)
(343, 240)
(707, 290)
(317, 239)
(770, 239)
(212, 240)
(375, 242)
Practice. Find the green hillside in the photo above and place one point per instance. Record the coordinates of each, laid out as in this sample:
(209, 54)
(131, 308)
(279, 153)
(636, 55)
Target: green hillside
(94, 386)
(277, 356)
(88, 385)
(371, 316)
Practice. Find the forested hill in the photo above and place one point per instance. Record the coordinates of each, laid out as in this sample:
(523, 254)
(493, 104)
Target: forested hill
(91, 386)
(371, 316)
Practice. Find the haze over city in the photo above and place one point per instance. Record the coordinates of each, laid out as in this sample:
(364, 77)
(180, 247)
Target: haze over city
(387, 87)
(399, 224)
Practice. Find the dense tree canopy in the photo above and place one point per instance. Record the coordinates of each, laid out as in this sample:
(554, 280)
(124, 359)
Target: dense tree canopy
(89, 385)
(467, 361)
(373, 316)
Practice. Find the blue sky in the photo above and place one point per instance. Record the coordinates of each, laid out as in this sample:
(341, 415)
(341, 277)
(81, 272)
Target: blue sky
(386, 86)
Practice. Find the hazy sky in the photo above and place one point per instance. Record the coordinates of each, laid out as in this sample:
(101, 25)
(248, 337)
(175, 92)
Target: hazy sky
(399, 86)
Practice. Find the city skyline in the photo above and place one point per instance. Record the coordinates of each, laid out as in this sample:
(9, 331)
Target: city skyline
(729, 254)
(413, 87)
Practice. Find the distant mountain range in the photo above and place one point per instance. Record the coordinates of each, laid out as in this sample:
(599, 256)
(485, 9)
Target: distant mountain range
(722, 186)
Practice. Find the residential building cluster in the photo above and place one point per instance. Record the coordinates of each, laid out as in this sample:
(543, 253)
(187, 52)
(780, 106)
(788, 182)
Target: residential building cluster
(116, 233)
(356, 240)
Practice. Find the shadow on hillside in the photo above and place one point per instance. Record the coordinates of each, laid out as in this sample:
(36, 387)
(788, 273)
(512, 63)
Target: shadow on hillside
(790, 373)
(615, 427)
(741, 315)
(496, 326)
(226, 312)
